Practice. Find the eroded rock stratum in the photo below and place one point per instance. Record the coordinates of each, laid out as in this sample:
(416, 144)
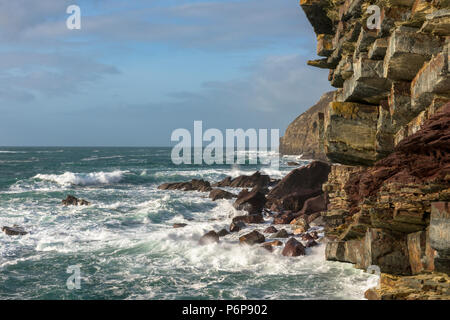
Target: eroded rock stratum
(387, 131)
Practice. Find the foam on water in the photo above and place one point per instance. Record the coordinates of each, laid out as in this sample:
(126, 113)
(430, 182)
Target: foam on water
(83, 179)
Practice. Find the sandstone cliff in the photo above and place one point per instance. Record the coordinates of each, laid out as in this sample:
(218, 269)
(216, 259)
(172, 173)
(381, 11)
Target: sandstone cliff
(304, 136)
(388, 132)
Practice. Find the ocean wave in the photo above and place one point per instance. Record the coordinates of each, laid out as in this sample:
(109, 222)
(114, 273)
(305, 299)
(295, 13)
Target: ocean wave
(84, 179)
(8, 151)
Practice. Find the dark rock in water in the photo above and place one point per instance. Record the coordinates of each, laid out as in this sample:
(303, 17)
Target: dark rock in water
(315, 204)
(280, 234)
(256, 179)
(193, 185)
(267, 246)
(179, 225)
(274, 243)
(252, 202)
(252, 238)
(217, 194)
(293, 248)
(14, 231)
(284, 218)
(223, 233)
(237, 226)
(311, 243)
(299, 185)
(314, 235)
(307, 237)
(271, 229)
(209, 237)
(293, 164)
(252, 218)
(73, 201)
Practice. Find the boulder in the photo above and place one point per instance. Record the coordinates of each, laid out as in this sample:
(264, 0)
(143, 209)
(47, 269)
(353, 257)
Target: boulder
(223, 233)
(280, 234)
(311, 243)
(293, 164)
(252, 218)
(283, 218)
(293, 248)
(315, 204)
(270, 229)
(244, 181)
(252, 238)
(14, 231)
(210, 237)
(252, 202)
(73, 201)
(237, 226)
(217, 194)
(299, 185)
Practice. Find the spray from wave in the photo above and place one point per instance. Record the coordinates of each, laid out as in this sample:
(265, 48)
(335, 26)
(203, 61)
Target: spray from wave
(84, 179)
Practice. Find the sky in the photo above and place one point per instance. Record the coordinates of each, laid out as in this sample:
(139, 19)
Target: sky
(139, 69)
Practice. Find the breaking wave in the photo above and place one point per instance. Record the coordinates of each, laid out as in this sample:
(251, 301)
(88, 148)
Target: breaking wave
(84, 179)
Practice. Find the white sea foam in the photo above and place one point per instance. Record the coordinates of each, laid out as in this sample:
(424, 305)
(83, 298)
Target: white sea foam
(84, 179)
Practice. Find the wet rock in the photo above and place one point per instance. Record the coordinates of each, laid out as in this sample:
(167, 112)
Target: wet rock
(223, 233)
(252, 238)
(73, 201)
(299, 225)
(293, 164)
(270, 229)
(244, 181)
(274, 243)
(14, 231)
(299, 185)
(280, 234)
(283, 218)
(237, 226)
(210, 237)
(307, 237)
(252, 202)
(252, 218)
(316, 204)
(293, 248)
(217, 194)
(267, 247)
(311, 243)
(179, 225)
(193, 185)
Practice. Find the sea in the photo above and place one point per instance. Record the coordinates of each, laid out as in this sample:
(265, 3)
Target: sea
(124, 246)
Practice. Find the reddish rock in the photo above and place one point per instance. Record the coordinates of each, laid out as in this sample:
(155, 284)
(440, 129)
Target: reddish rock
(284, 218)
(210, 237)
(217, 194)
(293, 248)
(315, 205)
(299, 185)
(252, 238)
(252, 202)
(252, 218)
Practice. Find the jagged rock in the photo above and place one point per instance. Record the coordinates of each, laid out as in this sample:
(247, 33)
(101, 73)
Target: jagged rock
(316, 13)
(304, 136)
(14, 231)
(378, 49)
(210, 237)
(437, 23)
(299, 185)
(293, 248)
(217, 194)
(179, 225)
(73, 201)
(324, 45)
(237, 226)
(194, 185)
(252, 238)
(316, 204)
(244, 181)
(252, 202)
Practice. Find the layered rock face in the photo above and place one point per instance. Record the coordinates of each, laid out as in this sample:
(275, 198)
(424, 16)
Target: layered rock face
(388, 132)
(304, 136)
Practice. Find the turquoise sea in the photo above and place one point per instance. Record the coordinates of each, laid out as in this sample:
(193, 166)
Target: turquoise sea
(124, 243)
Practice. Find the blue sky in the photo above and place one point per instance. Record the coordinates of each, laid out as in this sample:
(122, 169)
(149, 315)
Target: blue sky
(138, 69)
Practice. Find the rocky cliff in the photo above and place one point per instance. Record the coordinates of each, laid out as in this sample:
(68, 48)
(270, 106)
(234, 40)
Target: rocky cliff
(304, 136)
(387, 129)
